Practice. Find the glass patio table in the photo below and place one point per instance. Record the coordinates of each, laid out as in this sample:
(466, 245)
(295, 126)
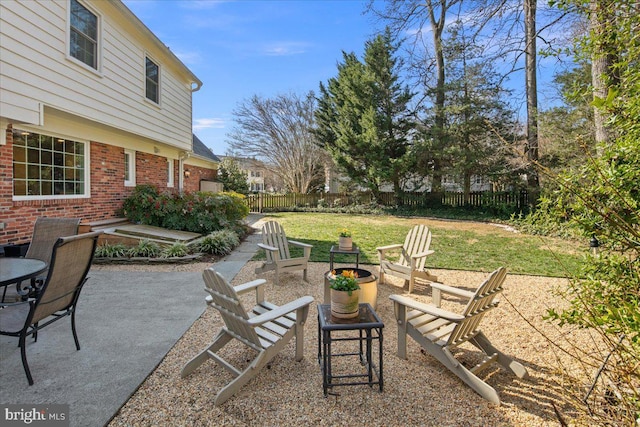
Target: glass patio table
(15, 270)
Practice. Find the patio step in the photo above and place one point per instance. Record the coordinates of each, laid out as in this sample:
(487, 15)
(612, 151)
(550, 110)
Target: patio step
(103, 224)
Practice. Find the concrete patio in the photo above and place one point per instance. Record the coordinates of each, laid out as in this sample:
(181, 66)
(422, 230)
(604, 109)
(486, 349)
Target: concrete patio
(127, 322)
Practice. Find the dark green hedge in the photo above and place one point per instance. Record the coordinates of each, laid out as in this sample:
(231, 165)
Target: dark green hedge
(198, 212)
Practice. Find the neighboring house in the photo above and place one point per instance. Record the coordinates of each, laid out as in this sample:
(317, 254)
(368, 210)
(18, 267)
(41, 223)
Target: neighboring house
(92, 104)
(259, 177)
(335, 183)
(255, 179)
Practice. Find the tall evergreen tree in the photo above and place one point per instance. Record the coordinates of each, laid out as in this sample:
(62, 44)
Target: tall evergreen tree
(567, 132)
(363, 119)
(480, 126)
(230, 175)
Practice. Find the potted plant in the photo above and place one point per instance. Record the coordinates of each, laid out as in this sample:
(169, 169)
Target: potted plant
(345, 293)
(344, 240)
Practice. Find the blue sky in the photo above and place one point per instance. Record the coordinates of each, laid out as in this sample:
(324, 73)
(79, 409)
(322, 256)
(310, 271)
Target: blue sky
(242, 48)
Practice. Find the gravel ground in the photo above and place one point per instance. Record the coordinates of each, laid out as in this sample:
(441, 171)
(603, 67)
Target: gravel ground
(417, 392)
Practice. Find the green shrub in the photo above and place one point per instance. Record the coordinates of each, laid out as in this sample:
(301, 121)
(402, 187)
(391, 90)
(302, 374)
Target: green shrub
(145, 248)
(219, 242)
(178, 249)
(198, 212)
(142, 205)
(111, 251)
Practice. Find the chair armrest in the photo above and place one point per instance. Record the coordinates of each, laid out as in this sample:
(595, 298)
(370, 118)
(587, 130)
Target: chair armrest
(300, 244)
(305, 246)
(381, 250)
(422, 254)
(249, 286)
(452, 290)
(388, 247)
(426, 308)
(267, 247)
(438, 288)
(257, 284)
(281, 311)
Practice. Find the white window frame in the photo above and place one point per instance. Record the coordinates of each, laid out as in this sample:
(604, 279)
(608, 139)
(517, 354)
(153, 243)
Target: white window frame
(159, 82)
(131, 182)
(170, 173)
(98, 68)
(87, 163)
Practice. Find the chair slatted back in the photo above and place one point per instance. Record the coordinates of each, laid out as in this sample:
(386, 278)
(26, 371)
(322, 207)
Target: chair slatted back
(225, 299)
(417, 241)
(70, 262)
(273, 235)
(482, 302)
(46, 232)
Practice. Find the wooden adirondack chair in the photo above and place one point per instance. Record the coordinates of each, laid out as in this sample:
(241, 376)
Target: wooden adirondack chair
(276, 246)
(413, 256)
(439, 331)
(267, 328)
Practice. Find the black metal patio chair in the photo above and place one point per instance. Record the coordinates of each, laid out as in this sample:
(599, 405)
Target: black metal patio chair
(70, 262)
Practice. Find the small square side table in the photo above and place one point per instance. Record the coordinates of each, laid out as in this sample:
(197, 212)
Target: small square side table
(336, 250)
(369, 327)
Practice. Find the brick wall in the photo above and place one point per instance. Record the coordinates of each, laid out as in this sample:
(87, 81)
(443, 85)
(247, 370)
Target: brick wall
(107, 189)
(192, 183)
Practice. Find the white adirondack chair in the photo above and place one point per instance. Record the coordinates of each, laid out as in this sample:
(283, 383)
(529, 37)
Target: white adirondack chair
(276, 247)
(266, 328)
(439, 331)
(410, 265)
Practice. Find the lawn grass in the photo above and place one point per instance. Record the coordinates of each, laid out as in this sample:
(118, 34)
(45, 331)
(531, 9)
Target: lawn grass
(458, 245)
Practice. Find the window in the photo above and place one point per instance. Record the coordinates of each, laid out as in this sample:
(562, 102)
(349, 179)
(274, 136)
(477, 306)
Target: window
(256, 186)
(129, 168)
(169, 172)
(48, 166)
(83, 37)
(152, 74)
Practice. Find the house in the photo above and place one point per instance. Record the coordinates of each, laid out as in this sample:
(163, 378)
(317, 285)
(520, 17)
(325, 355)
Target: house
(259, 178)
(336, 183)
(92, 104)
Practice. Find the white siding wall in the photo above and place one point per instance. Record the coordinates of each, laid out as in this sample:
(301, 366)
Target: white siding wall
(36, 71)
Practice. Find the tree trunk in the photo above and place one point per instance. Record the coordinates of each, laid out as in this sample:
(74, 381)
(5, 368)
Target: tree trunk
(532, 99)
(437, 26)
(398, 191)
(467, 187)
(601, 62)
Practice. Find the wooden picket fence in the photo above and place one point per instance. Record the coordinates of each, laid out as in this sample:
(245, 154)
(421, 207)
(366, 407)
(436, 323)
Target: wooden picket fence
(511, 201)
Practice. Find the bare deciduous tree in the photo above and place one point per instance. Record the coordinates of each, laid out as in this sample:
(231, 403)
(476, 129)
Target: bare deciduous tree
(278, 132)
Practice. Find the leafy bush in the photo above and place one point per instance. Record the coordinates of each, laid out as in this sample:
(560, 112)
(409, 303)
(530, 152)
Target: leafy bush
(198, 212)
(111, 251)
(219, 242)
(543, 222)
(141, 206)
(145, 248)
(178, 249)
